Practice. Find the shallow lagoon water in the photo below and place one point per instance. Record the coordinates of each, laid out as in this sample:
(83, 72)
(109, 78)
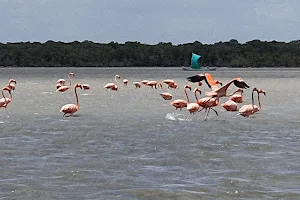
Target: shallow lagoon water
(132, 144)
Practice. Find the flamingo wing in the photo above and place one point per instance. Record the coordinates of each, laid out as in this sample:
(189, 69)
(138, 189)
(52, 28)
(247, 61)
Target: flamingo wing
(196, 78)
(240, 84)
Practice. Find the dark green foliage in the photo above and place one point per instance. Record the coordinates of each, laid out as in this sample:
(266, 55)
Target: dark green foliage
(254, 53)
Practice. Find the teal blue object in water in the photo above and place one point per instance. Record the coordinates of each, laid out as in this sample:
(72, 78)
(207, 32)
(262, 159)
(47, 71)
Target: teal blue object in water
(195, 61)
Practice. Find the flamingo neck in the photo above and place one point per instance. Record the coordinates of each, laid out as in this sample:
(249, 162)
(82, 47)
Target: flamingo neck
(3, 96)
(253, 100)
(234, 92)
(187, 96)
(259, 105)
(76, 95)
(70, 80)
(196, 95)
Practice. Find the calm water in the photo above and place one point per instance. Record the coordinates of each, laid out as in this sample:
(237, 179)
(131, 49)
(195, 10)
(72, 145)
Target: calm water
(131, 144)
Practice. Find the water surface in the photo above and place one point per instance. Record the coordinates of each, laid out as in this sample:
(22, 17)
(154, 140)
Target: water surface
(132, 144)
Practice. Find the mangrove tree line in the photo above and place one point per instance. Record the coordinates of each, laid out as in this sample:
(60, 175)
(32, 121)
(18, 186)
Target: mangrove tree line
(254, 53)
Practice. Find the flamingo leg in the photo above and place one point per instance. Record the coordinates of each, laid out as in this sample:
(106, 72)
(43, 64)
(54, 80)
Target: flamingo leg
(215, 111)
(201, 109)
(207, 114)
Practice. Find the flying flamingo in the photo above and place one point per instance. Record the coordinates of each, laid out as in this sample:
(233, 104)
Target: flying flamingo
(72, 108)
(180, 103)
(112, 86)
(10, 85)
(166, 96)
(137, 84)
(5, 101)
(221, 92)
(208, 78)
(64, 88)
(193, 107)
(249, 109)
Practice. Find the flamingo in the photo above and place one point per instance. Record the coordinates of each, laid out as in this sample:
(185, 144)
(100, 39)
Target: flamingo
(238, 98)
(221, 92)
(64, 88)
(208, 78)
(231, 104)
(180, 103)
(174, 86)
(112, 86)
(72, 108)
(145, 81)
(154, 84)
(137, 84)
(5, 101)
(125, 82)
(193, 107)
(207, 103)
(10, 85)
(166, 96)
(171, 83)
(60, 82)
(249, 109)
(86, 86)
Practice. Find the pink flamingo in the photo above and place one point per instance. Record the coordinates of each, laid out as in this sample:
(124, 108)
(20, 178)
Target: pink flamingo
(238, 98)
(86, 86)
(72, 108)
(180, 103)
(154, 84)
(137, 84)
(64, 88)
(125, 82)
(10, 85)
(170, 83)
(231, 104)
(249, 109)
(60, 82)
(221, 92)
(145, 81)
(112, 86)
(5, 101)
(208, 78)
(166, 96)
(193, 107)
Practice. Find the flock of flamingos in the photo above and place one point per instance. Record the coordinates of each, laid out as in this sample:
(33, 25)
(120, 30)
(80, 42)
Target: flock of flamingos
(207, 103)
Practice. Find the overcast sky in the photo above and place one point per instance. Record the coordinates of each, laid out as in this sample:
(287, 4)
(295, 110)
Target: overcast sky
(150, 22)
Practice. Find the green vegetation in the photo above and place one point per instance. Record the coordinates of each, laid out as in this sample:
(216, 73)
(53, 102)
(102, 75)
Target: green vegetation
(254, 53)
